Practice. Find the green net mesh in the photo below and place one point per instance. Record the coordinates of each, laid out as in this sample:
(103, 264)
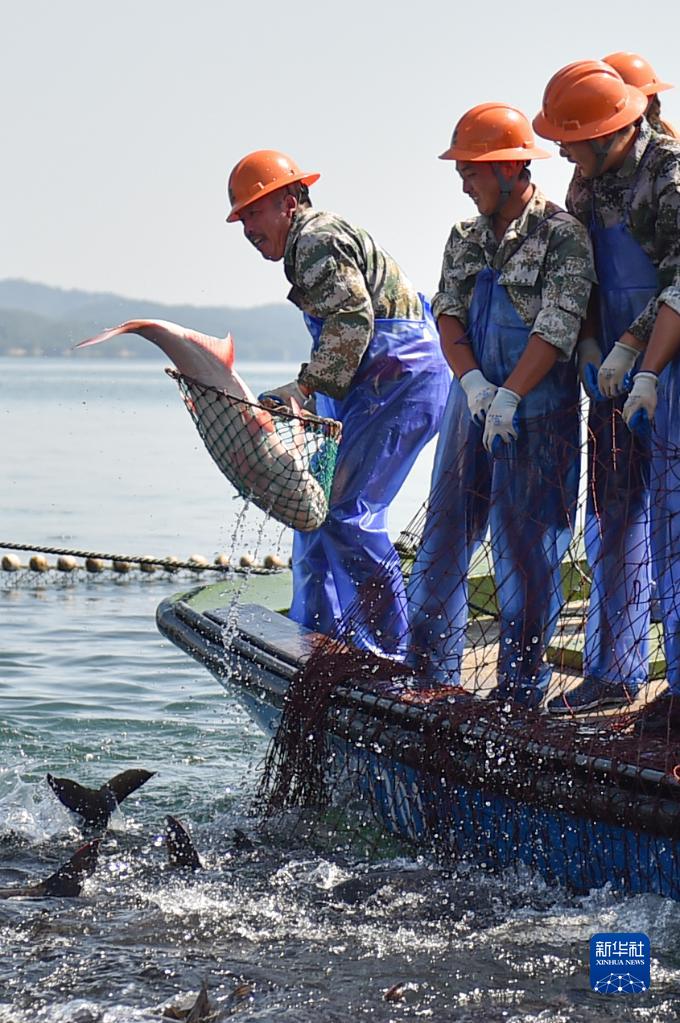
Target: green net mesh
(283, 463)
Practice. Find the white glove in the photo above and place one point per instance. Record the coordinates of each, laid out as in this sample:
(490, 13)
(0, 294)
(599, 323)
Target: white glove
(282, 395)
(501, 418)
(642, 397)
(620, 361)
(588, 353)
(479, 393)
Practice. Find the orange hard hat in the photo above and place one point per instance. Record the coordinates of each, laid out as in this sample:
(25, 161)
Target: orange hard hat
(585, 100)
(493, 132)
(637, 71)
(259, 173)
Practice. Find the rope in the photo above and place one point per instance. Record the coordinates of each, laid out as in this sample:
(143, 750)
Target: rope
(170, 563)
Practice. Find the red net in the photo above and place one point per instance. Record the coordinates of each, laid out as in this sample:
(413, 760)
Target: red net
(481, 736)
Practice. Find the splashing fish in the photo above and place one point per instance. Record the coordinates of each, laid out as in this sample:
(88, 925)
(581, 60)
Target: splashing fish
(241, 436)
(65, 882)
(95, 806)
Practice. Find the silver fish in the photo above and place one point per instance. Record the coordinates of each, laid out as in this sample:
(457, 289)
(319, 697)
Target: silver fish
(266, 457)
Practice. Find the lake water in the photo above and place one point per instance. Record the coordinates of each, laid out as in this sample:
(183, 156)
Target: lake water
(101, 455)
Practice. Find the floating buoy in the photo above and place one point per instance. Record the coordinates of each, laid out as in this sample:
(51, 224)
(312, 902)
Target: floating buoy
(145, 567)
(94, 565)
(170, 563)
(274, 561)
(121, 566)
(222, 560)
(38, 563)
(198, 560)
(246, 561)
(65, 563)
(10, 563)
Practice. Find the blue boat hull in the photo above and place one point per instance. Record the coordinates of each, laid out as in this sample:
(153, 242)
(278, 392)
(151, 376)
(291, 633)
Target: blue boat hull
(623, 831)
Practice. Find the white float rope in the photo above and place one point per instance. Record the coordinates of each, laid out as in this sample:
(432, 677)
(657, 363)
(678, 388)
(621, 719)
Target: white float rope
(96, 562)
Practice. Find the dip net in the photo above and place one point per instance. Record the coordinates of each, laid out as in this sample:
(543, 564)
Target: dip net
(283, 463)
(468, 742)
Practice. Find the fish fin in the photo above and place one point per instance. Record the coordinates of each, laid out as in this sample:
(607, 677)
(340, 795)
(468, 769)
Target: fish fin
(129, 327)
(201, 1009)
(68, 880)
(123, 784)
(181, 850)
(229, 351)
(89, 803)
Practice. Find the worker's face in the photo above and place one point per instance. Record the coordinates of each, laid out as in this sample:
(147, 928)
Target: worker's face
(583, 155)
(266, 223)
(481, 185)
(586, 158)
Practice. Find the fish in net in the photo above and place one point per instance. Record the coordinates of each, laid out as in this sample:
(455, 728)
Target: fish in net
(282, 461)
(480, 742)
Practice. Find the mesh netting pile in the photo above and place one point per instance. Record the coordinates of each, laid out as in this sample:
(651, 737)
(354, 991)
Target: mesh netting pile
(451, 764)
(281, 462)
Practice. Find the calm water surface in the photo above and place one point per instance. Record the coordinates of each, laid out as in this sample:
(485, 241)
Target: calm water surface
(102, 456)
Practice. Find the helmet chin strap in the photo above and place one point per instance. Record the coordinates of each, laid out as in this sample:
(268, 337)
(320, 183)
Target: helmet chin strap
(602, 149)
(505, 185)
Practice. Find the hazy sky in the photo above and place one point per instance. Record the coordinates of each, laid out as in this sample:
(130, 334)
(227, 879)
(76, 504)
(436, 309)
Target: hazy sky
(122, 121)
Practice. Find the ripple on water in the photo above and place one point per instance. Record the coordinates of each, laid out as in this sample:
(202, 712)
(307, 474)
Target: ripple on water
(317, 936)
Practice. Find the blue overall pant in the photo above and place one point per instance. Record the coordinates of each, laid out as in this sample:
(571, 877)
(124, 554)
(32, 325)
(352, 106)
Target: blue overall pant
(665, 498)
(348, 569)
(526, 493)
(618, 527)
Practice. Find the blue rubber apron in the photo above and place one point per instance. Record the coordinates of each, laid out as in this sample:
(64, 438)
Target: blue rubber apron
(618, 528)
(348, 569)
(665, 490)
(526, 493)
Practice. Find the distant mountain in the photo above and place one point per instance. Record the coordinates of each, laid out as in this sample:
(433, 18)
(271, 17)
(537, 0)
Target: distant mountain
(36, 319)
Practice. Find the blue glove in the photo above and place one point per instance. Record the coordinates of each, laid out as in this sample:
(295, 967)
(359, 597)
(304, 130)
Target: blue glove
(588, 361)
(590, 382)
(282, 395)
(502, 421)
(639, 423)
(640, 406)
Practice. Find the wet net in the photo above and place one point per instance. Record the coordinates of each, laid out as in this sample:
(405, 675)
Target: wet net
(527, 717)
(283, 463)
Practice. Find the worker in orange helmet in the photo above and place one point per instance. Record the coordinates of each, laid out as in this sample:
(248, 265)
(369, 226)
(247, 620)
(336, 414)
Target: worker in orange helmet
(627, 192)
(637, 71)
(514, 288)
(375, 366)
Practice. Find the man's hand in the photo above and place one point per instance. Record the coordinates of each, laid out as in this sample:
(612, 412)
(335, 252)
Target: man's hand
(641, 400)
(282, 395)
(479, 393)
(588, 362)
(619, 362)
(501, 419)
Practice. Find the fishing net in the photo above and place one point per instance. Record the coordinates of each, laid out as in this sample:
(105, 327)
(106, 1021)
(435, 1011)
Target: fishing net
(553, 564)
(283, 463)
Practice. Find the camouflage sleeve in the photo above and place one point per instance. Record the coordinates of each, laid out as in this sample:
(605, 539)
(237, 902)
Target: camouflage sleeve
(456, 283)
(579, 197)
(568, 276)
(667, 246)
(335, 290)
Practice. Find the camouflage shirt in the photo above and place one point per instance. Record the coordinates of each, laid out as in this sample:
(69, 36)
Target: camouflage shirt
(547, 269)
(645, 194)
(341, 275)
